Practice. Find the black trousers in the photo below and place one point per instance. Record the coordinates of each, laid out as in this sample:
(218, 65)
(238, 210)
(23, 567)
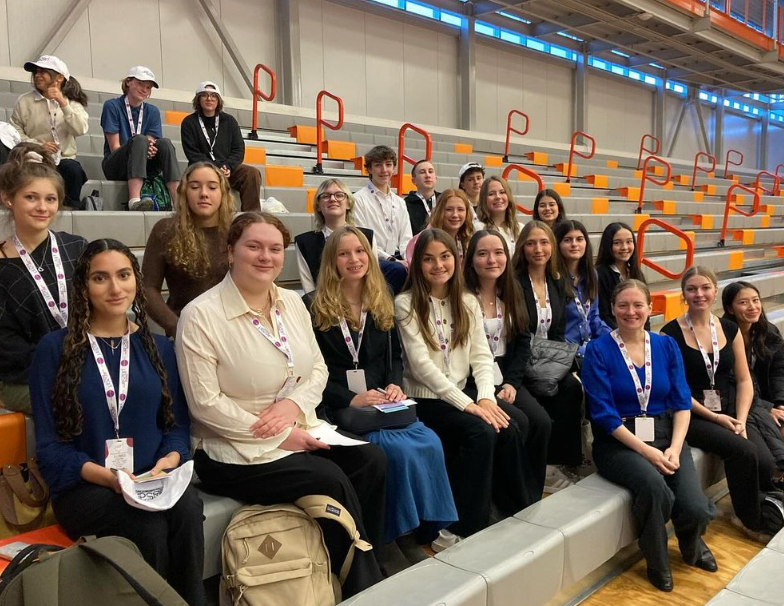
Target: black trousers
(4, 151)
(130, 161)
(537, 441)
(656, 497)
(353, 475)
(483, 466)
(74, 177)
(566, 411)
(171, 541)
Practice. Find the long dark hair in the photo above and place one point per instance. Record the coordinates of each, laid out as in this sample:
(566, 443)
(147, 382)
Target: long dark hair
(585, 264)
(68, 417)
(760, 330)
(70, 88)
(550, 193)
(508, 288)
(605, 254)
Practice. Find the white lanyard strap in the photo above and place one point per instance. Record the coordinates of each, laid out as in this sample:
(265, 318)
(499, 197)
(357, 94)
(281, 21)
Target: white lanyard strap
(354, 351)
(59, 312)
(389, 219)
(53, 127)
(135, 130)
(459, 248)
(583, 310)
(710, 368)
(545, 319)
(428, 208)
(494, 337)
(282, 344)
(207, 136)
(441, 334)
(643, 394)
(115, 400)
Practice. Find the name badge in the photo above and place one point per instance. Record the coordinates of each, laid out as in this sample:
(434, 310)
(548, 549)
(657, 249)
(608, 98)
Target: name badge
(712, 400)
(356, 380)
(289, 386)
(644, 428)
(119, 454)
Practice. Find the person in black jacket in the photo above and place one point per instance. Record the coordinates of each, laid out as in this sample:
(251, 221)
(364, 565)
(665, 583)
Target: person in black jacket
(488, 274)
(544, 290)
(421, 201)
(211, 135)
(616, 261)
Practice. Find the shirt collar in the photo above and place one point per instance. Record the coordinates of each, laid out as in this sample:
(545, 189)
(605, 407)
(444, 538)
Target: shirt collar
(234, 304)
(376, 191)
(326, 231)
(37, 96)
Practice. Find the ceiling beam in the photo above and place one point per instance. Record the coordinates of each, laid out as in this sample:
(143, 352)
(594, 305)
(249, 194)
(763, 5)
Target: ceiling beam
(598, 46)
(565, 24)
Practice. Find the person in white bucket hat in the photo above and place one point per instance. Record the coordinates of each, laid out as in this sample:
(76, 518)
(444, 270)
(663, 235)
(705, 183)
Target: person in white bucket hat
(134, 147)
(54, 113)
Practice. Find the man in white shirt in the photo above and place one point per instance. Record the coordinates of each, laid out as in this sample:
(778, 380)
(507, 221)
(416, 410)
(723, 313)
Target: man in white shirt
(421, 201)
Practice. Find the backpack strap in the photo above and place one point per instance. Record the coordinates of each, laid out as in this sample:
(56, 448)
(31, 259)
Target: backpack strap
(321, 506)
(42, 587)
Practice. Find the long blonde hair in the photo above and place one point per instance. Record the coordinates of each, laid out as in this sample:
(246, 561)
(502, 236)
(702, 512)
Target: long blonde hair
(437, 220)
(510, 214)
(187, 248)
(329, 303)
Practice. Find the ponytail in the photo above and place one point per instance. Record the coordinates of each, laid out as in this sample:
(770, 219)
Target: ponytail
(72, 90)
(28, 161)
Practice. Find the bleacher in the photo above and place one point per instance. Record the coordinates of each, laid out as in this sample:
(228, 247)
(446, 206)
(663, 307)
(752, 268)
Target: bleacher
(546, 550)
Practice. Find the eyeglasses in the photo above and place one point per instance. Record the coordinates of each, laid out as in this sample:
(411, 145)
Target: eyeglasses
(209, 96)
(338, 195)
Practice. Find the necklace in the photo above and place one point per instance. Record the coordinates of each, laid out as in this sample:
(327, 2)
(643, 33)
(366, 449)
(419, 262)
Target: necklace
(110, 342)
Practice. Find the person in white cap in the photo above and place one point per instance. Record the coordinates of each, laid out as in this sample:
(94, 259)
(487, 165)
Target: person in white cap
(210, 135)
(134, 146)
(471, 176)
(54, 113)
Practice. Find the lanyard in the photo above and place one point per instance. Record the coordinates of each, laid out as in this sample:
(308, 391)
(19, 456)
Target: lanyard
(442, 342)
(354, 351)
(282, 344)
(389, 219)
(495, 337)
(710, 368)
(544, 319)
(53, 126)
(459, 248)
(114, 400)
(130, 118)
(583, 310)
(428, 209)
(60, 313)
(207, 136)
(643, 395)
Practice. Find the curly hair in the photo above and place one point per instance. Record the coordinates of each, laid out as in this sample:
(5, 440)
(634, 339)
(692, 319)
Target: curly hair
(187, 248)
(510, 214)
(67, 408)
(329, 302)
(437, 220)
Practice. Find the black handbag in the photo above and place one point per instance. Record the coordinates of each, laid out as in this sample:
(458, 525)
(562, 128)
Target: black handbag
(550, 362)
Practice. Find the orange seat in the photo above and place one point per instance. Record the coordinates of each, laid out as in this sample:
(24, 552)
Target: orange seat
(494, 161)
(51, 535)
(175, 118)
(341, 150)
(255, 155)
(284, 176)
(13, 438)
(464, 148)
(304, 134)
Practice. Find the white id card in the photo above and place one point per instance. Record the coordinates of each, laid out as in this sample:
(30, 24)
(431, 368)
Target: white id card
(356, 380)
(119, 454)
(644, 428)
(289, 386)
(712, 400)
(499, 377)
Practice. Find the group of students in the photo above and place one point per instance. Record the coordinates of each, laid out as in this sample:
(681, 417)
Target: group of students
(254, 370)
(54, 113)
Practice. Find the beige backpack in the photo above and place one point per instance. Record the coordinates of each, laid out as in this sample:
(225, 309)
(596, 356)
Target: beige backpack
(274, 555)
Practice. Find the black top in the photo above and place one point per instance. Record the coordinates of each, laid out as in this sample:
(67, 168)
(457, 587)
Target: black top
(557, 292)
(379, 356)
(416, 210)
(608, 280)
(24, 316)
(769, 372)
(514, 363)
(311, 245)
(229, 149)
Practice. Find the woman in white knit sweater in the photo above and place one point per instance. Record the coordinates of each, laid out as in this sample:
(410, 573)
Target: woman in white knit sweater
(444, 340)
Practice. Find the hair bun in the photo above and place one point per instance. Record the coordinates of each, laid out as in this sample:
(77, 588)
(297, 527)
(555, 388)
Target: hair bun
(34, 157)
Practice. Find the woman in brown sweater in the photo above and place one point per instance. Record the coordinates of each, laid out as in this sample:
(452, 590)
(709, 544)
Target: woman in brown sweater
(188, 249)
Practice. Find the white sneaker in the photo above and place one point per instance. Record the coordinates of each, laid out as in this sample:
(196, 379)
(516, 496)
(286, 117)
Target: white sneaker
(557, 479)
(444, 540)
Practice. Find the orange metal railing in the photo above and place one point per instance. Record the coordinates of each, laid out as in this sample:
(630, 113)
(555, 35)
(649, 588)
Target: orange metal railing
(697, 167)
(510, 130)
(573, 152)
(776, 172)
(318, 169)
(729, 205)
(727, 160)
(651, 152)
(673, 230)
(526, 171)
(776, 182)
(257, 93)
(648, 177)
(402, 158)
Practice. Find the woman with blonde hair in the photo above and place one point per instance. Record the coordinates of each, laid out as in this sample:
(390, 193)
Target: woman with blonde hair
(188, 249)
(452, 214)
(354, 322)
(497, 210)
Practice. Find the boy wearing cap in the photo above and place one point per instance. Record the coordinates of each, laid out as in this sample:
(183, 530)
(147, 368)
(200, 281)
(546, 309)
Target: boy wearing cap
(421, 201)
(471, 176)
(210, 135)
(133, 139)
(54, 113)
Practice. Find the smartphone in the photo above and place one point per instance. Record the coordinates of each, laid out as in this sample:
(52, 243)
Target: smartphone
(8, 552)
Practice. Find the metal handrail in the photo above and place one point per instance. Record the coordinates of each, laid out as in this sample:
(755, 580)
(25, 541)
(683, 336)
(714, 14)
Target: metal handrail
(727, 160)
(673, 230)
(257, 93)
(652, 152)
(728, 205)
(510, 130)
(776, 182)
(573, 152)
(646, 177)
(776, 172)
(319, 169)
(401, 145)
(698, 167)
(526, 171)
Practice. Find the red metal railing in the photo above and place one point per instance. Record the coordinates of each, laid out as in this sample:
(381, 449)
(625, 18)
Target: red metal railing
(727, 160)
(402, 158)
(257, 93)
(318, 169)
(651, 152)
(673, 230)
(776, 182)
(573, 152)
(729, 205)
(648, 177)
(526, 171)
(510, 130)
(697, 167)
(778, 166)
